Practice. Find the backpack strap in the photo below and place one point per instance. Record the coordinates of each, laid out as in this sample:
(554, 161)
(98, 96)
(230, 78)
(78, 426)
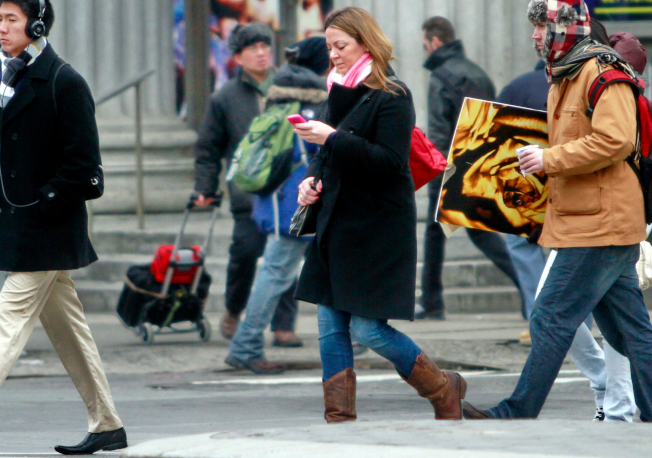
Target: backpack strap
(603, 81)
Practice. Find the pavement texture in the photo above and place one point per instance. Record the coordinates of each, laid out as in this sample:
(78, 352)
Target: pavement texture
(462, 341)
(474, 343)
(421, 438)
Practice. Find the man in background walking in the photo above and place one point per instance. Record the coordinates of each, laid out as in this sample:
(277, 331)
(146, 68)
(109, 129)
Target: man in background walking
(452, 78)
(226, 122)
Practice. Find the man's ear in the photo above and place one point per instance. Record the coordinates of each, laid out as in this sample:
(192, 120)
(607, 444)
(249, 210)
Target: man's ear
(436, 43)
(238, 59)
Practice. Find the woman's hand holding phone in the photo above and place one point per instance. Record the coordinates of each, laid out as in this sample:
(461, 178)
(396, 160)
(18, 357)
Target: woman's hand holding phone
(313, 132)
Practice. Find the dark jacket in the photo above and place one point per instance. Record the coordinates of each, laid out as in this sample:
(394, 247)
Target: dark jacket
(273, 212)
(363, 258)
(452, 78)
(226, 122)
(529, 90)
(47, 156)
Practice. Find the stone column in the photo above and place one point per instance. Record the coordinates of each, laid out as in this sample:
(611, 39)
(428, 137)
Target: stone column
(109, 42)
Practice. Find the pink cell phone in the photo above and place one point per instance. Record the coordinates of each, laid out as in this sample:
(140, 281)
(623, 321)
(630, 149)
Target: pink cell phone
(296, 119)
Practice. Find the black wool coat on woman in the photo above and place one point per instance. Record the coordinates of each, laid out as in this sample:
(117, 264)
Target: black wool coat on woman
(363, 258)
(47, 156)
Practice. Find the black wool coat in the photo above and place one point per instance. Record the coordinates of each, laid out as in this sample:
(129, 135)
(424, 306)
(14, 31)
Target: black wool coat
(363, 258)
(47, 156)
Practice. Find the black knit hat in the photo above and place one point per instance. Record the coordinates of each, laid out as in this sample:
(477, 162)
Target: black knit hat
(310, 53)
(247, 35)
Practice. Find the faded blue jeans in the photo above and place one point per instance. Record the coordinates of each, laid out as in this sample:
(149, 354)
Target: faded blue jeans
(281, 264)
(335, 342)
(601, 280)
(529, 261)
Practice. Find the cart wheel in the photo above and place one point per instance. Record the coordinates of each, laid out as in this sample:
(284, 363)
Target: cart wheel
(146, 333)
(204, 328)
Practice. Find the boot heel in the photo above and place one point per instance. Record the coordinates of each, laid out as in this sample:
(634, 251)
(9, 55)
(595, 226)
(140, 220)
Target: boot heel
(462, 387)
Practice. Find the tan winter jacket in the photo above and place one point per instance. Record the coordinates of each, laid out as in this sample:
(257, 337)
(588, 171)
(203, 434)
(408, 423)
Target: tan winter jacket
(594, 196)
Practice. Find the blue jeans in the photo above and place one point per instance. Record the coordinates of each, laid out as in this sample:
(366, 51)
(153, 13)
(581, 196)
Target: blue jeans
(601, 280)
(281, 263)
(609, 371)
(335, 342)
(529, 261)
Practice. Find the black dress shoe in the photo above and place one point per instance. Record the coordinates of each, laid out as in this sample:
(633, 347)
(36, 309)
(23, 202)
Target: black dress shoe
(471, 413)
(108, 440)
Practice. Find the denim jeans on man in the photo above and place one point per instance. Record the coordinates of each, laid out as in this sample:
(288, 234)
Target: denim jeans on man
(281, 263)
(608, 371)
(601, 280)
(247, 246)
(335, 342)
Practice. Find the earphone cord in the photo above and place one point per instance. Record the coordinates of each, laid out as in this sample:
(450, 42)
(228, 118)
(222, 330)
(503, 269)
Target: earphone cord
(2, 183)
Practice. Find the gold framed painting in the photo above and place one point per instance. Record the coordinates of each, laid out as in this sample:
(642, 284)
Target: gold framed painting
(483, 188)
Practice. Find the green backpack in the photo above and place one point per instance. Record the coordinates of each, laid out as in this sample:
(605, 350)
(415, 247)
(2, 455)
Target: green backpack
(263, 160)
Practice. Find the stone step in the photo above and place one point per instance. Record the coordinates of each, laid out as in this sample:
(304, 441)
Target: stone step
(472, 282)
(99, 296)
(118, 235)
(103, 297)
(463, 273)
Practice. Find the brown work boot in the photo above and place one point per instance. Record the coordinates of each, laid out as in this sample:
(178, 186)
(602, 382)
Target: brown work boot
(339, 397)
(287, 339)
(229, 325)
(444, 389)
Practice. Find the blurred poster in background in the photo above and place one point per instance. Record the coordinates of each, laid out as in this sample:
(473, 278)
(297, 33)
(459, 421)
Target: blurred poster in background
(225, 15)
(311, 15)
(621, 10)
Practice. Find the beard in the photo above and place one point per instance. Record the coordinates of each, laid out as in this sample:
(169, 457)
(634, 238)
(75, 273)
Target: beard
(542, 53)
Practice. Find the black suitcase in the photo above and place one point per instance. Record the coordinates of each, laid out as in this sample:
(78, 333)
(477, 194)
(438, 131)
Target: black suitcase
(151, 307)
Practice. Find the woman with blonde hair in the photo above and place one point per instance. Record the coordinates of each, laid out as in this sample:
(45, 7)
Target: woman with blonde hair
(361, 266)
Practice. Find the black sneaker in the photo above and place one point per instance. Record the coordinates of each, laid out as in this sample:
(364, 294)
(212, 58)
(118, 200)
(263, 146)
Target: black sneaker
(599, 414)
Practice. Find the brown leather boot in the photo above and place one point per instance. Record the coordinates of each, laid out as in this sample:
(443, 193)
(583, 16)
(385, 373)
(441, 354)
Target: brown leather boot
(444, 389)
(339, 397)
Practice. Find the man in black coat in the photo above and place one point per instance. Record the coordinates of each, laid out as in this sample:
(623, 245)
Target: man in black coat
(226, 122)
(452, 78)
(49, 150)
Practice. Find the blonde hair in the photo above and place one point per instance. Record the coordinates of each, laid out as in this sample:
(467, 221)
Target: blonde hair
(361, 26)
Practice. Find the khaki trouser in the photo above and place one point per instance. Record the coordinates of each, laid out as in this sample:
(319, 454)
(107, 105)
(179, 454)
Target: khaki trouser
(51, 296)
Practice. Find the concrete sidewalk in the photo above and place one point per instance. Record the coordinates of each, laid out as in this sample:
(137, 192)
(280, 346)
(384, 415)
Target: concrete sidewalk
(463, 341)
(414, 439)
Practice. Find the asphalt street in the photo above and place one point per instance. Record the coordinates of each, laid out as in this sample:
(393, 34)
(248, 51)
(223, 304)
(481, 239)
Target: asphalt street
(38, 413)
(181, 386)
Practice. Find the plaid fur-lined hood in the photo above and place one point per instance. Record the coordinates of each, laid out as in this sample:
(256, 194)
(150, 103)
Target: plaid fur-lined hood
(567, 21)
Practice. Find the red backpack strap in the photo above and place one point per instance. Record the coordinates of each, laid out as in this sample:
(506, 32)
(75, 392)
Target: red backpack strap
(603, 81)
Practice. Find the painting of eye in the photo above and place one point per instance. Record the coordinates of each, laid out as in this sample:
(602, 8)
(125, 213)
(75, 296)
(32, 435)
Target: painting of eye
(485, 189)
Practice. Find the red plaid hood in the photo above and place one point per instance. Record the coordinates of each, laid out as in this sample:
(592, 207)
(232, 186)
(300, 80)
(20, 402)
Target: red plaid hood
(568, 23)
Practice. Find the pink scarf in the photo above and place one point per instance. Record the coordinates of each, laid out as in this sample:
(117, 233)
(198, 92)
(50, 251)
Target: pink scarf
(356, 74)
